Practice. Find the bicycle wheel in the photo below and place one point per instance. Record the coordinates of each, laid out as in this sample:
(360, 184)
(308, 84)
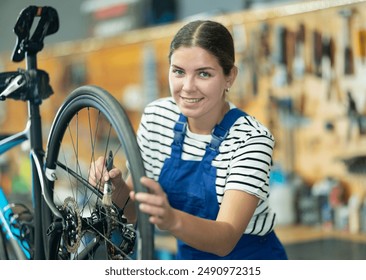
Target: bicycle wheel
(91, 123)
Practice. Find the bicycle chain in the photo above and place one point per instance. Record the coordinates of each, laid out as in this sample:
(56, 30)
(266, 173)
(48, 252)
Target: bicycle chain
(112, 223)
(111, 218)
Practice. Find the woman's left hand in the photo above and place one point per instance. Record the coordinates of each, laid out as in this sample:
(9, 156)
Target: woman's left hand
(156, 204)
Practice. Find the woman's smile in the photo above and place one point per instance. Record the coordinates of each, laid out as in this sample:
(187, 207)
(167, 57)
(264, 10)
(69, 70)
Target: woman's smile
(191, 100)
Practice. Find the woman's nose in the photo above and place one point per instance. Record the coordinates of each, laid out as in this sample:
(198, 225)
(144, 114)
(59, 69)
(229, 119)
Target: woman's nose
(189, 84)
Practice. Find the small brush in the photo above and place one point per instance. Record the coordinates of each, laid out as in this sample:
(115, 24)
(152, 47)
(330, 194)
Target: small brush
(107, 191)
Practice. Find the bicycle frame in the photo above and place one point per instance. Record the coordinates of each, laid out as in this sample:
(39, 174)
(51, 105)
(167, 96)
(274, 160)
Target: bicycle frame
(11, 234)
(28, 48)
(32, 133)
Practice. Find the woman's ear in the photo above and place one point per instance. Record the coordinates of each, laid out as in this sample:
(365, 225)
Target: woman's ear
(232, 76)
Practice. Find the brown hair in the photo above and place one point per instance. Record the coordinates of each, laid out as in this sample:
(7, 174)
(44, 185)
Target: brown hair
(209, 35)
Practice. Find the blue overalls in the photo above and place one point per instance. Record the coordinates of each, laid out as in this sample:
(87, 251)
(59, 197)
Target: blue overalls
(191, 187)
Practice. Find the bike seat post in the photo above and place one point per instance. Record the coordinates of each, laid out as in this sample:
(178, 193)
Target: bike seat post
(31, 61)
(27, 47)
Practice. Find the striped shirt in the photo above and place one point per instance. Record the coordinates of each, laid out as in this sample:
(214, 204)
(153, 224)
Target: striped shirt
(244, 161)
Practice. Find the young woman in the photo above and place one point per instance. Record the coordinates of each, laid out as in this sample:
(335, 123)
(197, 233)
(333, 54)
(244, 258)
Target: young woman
(207, 163)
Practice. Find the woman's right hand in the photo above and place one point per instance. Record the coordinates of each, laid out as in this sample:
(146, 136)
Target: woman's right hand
(98, 174)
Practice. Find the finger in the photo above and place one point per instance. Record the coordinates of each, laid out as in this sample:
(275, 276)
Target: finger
(152, 185)
(150, 199)
(114, 173)
(93, 177)
(152, 219)
(151, 209)
(96, 167)
(132, 195)
(95, 172)
(100, 171)
(155, 220)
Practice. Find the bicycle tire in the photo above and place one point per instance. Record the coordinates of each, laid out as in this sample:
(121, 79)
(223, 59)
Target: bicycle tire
(89, 123)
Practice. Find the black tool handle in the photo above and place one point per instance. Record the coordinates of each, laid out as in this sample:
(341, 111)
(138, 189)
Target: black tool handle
(109, 162)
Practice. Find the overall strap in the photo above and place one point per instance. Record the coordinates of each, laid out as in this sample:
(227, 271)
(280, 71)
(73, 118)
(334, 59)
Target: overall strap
(180, 128)
(220, 132)
(222, 129)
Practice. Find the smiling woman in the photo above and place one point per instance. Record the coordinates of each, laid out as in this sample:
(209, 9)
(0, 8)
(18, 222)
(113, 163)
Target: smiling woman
(207, 163)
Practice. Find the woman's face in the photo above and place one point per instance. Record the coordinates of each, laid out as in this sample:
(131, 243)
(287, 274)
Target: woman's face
(197, 83)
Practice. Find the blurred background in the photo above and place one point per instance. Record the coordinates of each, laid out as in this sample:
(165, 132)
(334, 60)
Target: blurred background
(301, 73)
(83, 19)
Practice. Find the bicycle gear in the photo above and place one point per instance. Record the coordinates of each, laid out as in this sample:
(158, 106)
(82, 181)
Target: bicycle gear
(72, 235)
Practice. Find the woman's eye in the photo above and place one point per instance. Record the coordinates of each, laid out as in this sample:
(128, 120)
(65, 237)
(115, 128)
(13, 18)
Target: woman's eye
(205, 74)
(178, 72)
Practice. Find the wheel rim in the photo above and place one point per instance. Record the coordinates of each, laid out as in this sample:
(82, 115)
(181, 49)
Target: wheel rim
(87, 132)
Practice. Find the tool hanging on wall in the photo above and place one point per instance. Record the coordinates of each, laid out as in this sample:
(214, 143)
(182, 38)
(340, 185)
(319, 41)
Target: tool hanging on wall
(328, 69)
(266, 64)
(359, 27)
(290, 53)
(280, 77)
(241, 47)
(284, 55)
(354, 117)
(361, 44)
(317, 53)
(253, 62)
(348, 50)
(247, 56)
(298, 66)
